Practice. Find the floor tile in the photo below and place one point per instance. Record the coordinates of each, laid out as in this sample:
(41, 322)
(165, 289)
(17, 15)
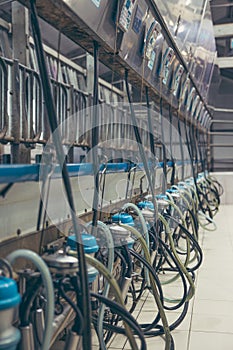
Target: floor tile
(209, 322)
(213, 307)
(210, 341)
(212, 323)
(147, 317)
(212, 290)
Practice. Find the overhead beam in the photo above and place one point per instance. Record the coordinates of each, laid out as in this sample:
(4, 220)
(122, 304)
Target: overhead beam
(224, 62)
(223, 30)
(221, 5)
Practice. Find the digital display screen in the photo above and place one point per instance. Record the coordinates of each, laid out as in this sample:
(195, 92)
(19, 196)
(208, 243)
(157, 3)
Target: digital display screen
(137, 23)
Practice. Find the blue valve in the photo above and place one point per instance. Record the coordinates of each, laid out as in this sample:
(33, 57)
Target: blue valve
(9, 300)
(146, 205)
(90, 247)
(162, 196)
(89, 242)
(123, 218)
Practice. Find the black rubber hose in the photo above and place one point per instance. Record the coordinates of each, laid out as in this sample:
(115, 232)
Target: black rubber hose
(79, 324)
(194, 242)
(125, 315)
(123, 263)
(188, 143)
(173, 326)
(126, 254)
(181, 147)
(152, 271)
(95, 137)
(164, 184)
(27, 301)
(84, 302)
(140, 146)
(151, 135)
(154, 333)
(171, 147)
(177, 269)
(147, 327)
(134, 293)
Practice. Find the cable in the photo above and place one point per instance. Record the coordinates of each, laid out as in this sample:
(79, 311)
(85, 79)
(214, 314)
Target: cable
(158, 283)
(5, 266)
(191, 238)
(27, 301)
(95, 137)
(84, 301)
(164, 184)
(79, 318)
(168, 336)
(182, 267)
(140, 146)
(181, 147)
(113, 283)
(171, 148)
(144, 228)
(151, 136)
(181, 301)
(125, 315)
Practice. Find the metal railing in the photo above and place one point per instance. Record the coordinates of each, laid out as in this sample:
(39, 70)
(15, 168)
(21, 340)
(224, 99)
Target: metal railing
(23, 116)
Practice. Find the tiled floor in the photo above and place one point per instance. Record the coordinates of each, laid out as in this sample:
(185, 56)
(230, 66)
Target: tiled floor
(209, 322)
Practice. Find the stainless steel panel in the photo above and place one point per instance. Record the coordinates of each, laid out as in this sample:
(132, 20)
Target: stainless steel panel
(142, 44)
(91, 11)
(133, 39)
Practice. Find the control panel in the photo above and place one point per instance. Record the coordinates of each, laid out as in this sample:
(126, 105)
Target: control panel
(178, 74)
(138, 19)
(167, 60)
(125, 16)
(148, 50)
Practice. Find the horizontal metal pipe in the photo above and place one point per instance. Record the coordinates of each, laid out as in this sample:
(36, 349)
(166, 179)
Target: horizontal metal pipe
(219, 121)
(221, 145)
(223, 133)
(224, 110)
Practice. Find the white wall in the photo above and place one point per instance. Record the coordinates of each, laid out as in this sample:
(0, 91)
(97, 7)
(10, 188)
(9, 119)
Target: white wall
(226, 180)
